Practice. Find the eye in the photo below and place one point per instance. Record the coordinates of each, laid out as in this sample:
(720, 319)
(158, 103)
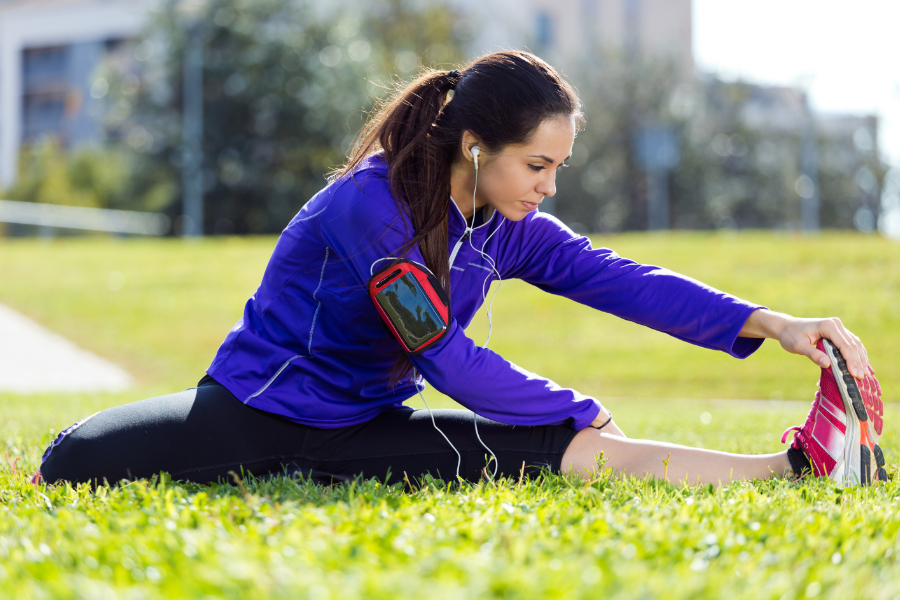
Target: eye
(536, 168)
(562, 166)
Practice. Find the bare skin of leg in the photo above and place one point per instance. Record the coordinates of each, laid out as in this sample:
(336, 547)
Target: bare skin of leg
(645, 457)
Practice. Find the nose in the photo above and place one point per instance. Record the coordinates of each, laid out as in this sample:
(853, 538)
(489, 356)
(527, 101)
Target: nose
(547, 185)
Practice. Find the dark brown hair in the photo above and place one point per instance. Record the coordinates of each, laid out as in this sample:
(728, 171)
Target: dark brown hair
(502, 98)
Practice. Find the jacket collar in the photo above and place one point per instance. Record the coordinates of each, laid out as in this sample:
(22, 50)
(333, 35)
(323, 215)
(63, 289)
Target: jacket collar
(458, 223)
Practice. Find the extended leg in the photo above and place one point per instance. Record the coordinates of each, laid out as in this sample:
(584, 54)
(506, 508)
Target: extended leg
(685, 464)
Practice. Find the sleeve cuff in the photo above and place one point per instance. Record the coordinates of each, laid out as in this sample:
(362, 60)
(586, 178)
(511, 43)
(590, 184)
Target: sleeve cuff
(584, 420)
(743, 347)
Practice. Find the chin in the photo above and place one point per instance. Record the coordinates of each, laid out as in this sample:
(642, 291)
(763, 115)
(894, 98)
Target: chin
(513, 215)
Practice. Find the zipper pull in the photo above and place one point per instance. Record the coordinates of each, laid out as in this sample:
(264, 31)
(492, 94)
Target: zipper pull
(459, 245)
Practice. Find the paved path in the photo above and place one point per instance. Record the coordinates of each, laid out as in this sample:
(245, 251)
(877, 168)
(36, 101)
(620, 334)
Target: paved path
(34, 359)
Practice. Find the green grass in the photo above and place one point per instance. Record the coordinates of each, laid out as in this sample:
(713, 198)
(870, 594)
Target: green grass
(552, 538)
(544, 539)
(179, 299)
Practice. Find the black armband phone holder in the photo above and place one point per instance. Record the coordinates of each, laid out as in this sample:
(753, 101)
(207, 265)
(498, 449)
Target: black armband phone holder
(411, 303)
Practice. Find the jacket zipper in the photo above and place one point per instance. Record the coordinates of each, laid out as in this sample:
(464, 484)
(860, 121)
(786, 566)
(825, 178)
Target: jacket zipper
(466, 234)
(457, 247)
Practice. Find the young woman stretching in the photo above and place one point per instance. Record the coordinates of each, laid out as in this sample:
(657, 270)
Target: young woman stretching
(439, 198)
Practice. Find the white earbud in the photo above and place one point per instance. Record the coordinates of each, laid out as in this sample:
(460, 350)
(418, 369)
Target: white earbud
(476, 151)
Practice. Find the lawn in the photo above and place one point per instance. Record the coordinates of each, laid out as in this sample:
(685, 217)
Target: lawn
(160, 308)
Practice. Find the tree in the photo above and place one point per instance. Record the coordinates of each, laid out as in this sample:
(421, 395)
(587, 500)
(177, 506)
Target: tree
(90, 176)
(735, 170)
(605, 190)
(286, 85)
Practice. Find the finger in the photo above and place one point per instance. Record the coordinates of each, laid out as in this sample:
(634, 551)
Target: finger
(865, 355)
(844, 342)
(859, 369)
(861, 353)
(817, 356)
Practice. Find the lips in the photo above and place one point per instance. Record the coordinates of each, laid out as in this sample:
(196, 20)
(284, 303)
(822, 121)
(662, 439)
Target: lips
(531, 205)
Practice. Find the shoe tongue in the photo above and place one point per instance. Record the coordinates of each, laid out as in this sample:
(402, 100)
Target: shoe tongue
(828, 388)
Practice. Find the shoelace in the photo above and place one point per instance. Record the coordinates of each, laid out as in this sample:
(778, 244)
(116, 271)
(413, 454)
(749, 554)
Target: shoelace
(788, 431)
(809, 418)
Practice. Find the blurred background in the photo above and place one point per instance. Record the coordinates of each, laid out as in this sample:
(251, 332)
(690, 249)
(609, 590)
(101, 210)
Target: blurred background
(223, 117)
(128, 125)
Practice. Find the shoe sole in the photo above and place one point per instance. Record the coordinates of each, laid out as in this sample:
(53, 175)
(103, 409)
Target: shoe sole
(863, 458)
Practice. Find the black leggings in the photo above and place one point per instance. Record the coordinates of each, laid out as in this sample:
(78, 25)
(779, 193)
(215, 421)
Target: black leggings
(203, 433)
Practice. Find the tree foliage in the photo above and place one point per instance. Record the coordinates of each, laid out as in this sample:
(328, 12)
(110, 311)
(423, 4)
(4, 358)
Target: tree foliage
(91, 176)
(285, 88)
(732, 172)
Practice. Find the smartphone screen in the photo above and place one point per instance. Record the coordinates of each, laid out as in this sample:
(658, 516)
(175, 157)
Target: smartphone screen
(410, 310)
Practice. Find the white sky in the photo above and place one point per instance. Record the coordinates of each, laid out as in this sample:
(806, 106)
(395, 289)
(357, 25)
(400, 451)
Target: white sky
(846, 53)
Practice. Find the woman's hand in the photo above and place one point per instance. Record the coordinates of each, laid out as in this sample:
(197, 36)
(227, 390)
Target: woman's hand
(799, 336)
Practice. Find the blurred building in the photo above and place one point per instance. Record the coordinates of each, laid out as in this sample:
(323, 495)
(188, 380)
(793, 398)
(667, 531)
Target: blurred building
(777, 107)
(834, 157)
(845, 143)
(49, 50)
(564, 30)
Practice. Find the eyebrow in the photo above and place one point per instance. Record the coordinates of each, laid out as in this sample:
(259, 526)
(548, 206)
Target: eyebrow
(547, 158)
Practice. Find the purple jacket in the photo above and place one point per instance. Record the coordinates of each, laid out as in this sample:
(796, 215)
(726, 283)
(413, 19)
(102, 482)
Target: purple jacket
(311, 346)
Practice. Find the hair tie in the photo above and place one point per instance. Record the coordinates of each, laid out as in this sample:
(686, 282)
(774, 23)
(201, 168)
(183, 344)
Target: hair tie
(453, 77)
(608, 421)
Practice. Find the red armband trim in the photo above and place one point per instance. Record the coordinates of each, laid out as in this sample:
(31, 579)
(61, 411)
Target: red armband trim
(412, 304)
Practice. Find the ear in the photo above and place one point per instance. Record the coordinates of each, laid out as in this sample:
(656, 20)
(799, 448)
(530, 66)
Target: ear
(469, 140)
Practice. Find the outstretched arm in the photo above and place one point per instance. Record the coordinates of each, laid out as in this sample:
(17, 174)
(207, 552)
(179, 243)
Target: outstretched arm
(799, 336)
(547, 254)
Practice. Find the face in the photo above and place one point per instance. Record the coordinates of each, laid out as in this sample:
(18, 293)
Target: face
(517, 179)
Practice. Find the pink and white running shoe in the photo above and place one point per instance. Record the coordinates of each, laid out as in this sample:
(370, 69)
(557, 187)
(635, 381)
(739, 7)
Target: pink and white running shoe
(840, 436)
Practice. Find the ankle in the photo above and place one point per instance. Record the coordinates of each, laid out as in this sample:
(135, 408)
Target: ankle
(800, 465)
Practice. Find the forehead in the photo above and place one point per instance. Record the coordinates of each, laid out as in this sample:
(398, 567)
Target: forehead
(553, 138)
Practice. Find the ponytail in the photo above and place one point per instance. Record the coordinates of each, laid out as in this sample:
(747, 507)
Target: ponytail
(419, 169)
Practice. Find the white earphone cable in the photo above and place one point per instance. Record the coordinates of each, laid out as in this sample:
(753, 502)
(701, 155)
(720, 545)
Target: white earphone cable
(431, 414)
(470, 228)
(489, 305)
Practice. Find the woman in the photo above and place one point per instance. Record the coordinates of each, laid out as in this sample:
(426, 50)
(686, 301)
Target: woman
(313, 377)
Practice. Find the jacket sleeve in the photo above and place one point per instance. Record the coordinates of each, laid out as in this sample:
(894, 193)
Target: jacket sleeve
(547, 254)
(362, 225)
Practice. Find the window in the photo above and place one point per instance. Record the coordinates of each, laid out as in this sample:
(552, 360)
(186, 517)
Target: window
(45, 87)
